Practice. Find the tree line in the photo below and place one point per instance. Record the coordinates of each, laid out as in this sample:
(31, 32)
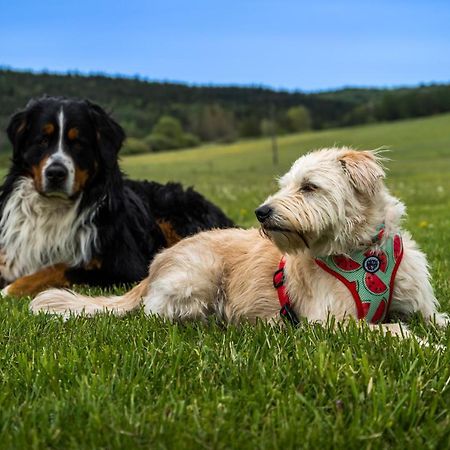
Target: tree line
(158, 116)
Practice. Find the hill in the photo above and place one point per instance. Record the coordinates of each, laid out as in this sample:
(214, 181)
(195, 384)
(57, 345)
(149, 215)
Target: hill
(218, 113)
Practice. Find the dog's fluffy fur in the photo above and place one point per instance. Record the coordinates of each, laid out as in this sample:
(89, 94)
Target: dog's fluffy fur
(330, 202)
(68, 215)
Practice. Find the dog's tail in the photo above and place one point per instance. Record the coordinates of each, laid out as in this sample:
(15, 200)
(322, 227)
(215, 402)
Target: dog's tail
(68, 303)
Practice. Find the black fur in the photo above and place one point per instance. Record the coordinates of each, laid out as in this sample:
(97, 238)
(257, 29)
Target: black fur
(128, 212)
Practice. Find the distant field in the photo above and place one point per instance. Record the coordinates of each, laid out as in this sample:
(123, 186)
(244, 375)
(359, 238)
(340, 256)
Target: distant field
(239, 176)
(141, 382)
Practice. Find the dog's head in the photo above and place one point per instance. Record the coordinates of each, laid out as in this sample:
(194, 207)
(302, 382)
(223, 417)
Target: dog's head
(325, 202)
(63, 143)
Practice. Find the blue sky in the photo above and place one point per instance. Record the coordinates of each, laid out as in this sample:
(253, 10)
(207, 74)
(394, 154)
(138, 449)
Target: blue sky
(290, 44)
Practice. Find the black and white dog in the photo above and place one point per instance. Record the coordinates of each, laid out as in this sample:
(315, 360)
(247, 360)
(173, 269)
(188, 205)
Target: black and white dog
(69, 216)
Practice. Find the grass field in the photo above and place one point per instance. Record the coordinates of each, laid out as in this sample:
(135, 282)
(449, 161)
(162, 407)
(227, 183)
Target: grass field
(140, 382)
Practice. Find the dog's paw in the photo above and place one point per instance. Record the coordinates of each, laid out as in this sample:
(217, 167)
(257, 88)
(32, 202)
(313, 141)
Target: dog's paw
(10, 291)
(441, 320)
(5, 291)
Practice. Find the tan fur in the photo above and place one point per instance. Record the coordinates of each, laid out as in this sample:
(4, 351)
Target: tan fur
(37, 172)
(76, 303)
(171, 236)
(363, 169)
(52, 276)
(31, 284)
(80, 179)
(324, 206)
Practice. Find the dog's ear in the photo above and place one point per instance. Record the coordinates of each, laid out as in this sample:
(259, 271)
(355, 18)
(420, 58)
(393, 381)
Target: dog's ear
(364, 170)
(110, 134)
(17, 128)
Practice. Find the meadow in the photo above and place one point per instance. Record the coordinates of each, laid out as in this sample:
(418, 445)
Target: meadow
(142, 382)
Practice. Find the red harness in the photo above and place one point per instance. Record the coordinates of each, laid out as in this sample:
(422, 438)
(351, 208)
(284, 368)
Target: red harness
(286, 310)
(374, 304)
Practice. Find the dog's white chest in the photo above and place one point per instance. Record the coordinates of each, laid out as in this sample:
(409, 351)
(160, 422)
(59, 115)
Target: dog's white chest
(36, 232)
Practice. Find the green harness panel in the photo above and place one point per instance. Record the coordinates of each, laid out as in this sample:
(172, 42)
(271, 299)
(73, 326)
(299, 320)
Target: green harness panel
(369, 275)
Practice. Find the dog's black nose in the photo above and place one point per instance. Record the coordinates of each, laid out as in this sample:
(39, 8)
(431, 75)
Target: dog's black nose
(56, 173)
(263, 213)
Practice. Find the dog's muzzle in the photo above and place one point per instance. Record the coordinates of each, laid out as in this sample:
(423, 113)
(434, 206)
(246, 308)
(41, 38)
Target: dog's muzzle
(55, 177)
(263, 213)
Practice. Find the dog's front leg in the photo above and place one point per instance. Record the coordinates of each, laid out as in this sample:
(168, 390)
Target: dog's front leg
(53, 276)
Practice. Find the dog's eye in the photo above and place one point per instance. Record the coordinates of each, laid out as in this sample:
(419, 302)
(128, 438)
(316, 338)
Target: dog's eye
(308, 187)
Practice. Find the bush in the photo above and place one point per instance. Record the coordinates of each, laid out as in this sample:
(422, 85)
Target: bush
(158, 142)
(168, 134)
(268, 127)
(134, 146)
(168, 126)
(299, 119)
(190, 140)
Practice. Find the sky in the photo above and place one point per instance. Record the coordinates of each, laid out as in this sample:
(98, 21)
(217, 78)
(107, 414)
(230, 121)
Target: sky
(285, 44)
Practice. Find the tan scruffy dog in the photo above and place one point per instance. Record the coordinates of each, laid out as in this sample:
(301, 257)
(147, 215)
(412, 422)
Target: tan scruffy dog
(332, 208)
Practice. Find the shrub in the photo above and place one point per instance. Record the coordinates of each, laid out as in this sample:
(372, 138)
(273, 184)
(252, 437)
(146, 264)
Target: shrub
(299, 119)
(168, 134)
(134, 146)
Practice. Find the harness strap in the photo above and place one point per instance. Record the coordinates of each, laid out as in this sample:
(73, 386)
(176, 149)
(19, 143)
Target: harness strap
(286, 310)
(368, 274)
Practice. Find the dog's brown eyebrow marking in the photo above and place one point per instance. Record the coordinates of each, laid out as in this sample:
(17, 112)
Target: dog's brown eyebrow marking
(48, 128)
(73, 133)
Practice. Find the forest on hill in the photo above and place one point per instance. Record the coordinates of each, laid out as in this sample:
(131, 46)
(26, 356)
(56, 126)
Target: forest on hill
(162, 115)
